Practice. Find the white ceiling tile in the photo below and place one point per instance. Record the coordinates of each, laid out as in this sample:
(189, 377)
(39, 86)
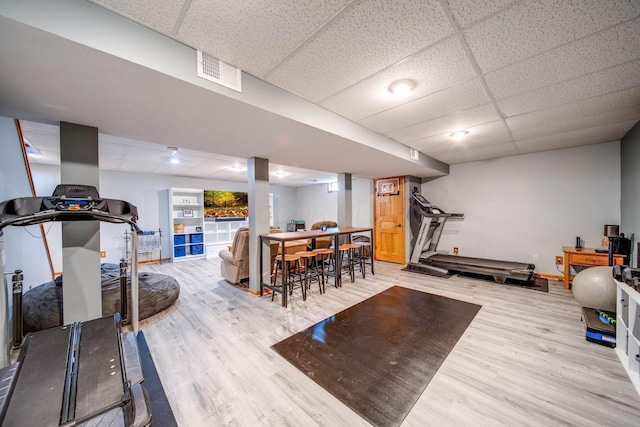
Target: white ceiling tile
(560, 126)
(532, 27)
(110, 163)
(456, 155)
(485, 134)
(433, 69)
(138, 166)
(613, 79)
(456, 98)
(457, 121)
(367, 37)
(467, 12)
(160, 15)
(582, 57)
(111, 150)
(583, 108)
(592, 135)
(254, 35)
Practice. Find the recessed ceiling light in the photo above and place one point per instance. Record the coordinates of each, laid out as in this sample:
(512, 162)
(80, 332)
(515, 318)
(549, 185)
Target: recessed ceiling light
(175, 160)
(280, 173)
(237, 168)
(459, 135)
(402, 87)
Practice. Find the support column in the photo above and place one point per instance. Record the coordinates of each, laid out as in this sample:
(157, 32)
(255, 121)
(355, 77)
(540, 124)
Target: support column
(258, 174)
(82, 289)
(345, 216)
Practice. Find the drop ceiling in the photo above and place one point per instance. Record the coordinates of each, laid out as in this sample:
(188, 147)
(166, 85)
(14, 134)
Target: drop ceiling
(519, 76)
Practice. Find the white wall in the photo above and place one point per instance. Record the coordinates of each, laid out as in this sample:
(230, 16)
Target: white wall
(149, 193)
(23, 246)
(533, 204)
(314, 203)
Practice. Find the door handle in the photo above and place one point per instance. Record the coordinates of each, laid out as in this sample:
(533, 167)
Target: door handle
(399, 225)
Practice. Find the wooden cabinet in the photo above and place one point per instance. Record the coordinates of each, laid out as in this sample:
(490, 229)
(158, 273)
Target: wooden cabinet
(585, 256)
(186, 213)
(628, 331)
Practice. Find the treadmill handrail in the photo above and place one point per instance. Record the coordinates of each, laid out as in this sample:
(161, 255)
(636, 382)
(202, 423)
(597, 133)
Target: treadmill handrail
(99, 212)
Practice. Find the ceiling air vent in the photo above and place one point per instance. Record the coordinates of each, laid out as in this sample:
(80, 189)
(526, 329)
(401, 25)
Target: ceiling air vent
(414, 154)
(219, 72)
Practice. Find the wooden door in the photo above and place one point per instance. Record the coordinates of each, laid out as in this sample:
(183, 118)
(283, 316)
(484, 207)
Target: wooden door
(389, 227)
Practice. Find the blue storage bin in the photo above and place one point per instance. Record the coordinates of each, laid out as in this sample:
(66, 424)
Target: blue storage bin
(197, 249)
(195, 238)
(179, 251)
(180, 239)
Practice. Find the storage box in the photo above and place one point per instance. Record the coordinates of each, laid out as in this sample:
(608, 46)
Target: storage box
(178, 228)
(195, 238)
(197, 249)
(179, 240)
(179, 251)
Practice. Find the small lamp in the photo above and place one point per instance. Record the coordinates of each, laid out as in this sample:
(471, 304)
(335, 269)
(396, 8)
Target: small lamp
(611, 231)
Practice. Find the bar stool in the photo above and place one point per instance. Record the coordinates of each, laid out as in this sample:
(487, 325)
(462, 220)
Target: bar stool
(348, 249)
(311, 270)
(325, 259)
(292, 265)
(364, 256)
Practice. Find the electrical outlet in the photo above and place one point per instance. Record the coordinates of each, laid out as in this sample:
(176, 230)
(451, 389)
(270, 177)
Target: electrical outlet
(559, 260)
(455, 251)
(103, 254)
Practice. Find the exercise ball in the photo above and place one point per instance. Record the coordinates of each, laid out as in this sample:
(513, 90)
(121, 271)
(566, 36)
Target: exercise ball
(595, 287)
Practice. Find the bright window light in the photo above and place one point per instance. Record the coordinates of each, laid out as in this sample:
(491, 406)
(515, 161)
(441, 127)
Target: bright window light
(332, 187)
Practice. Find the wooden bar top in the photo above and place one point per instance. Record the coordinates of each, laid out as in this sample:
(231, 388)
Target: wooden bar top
(311, 234)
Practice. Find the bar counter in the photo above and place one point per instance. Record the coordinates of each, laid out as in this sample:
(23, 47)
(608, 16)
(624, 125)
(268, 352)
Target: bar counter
(282, 238)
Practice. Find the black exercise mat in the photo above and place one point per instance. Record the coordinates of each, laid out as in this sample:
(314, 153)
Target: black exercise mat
(161, 413)
(378, 356)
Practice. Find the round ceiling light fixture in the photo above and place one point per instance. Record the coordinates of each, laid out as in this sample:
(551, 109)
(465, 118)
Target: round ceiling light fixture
(280, 173)
(174, 160)
(402, 87)
(459, 135)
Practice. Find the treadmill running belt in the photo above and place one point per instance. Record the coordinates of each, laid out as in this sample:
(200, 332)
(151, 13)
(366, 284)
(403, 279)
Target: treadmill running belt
(100, 382)
(42, 378)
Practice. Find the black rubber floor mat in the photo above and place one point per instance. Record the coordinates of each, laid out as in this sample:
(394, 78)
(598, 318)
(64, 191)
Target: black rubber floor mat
(378, 356)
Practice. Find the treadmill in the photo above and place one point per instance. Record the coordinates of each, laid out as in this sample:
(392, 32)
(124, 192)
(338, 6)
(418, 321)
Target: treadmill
(87, 373)
(425, 258)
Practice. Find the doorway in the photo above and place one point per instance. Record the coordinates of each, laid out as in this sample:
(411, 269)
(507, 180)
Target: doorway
(389, 220)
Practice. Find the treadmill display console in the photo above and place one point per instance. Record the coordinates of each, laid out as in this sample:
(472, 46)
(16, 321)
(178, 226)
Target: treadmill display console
(424, 204)
(74, 205)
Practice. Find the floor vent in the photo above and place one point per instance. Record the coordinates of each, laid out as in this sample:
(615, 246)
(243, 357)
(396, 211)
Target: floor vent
(219, 72)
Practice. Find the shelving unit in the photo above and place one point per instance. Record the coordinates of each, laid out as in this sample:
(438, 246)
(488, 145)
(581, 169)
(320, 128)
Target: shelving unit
(628, 331)
(222, 232)
(186, 208)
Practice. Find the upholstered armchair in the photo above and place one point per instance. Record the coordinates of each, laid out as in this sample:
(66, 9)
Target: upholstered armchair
(235, 262)
(322, 242)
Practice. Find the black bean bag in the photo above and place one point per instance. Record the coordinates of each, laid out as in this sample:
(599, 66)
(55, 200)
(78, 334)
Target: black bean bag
(42, 305)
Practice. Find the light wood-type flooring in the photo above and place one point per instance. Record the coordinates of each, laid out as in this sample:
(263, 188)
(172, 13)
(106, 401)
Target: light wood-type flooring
(523, 361)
